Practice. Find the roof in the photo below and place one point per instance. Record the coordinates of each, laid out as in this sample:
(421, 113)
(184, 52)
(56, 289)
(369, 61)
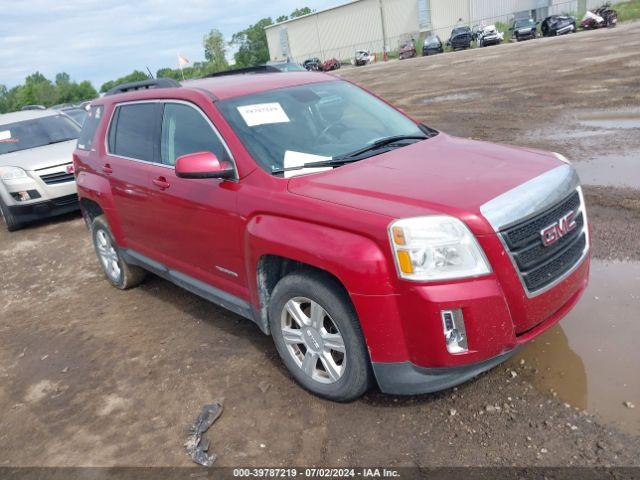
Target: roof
(312, 13)
(25, 115)
(238, 85)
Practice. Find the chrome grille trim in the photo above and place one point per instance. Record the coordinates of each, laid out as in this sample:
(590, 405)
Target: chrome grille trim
(532, 199)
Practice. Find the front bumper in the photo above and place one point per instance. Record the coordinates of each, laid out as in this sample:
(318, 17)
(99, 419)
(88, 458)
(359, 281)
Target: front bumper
(48, 208)
(406, 378)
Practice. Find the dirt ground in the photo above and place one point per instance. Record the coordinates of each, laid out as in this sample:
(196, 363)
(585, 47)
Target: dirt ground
(90, 375)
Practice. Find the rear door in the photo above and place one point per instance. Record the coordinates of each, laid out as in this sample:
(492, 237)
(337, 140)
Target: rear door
(133, 146)
(203, 233)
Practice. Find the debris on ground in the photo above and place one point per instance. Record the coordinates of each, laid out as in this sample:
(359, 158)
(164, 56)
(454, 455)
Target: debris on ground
(629, 405)
(197, 448)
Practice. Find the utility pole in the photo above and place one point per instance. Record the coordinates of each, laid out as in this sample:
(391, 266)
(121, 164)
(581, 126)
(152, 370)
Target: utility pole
(384, 33)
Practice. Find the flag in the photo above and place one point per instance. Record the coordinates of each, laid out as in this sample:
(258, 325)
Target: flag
(182, 61)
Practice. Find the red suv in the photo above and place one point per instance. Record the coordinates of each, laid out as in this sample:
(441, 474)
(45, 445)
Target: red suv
(371, 247)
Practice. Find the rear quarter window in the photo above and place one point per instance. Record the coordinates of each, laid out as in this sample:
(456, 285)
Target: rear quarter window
(85, 140)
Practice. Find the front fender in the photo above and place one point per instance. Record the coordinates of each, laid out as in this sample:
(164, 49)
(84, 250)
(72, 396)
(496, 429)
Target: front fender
(357, 261)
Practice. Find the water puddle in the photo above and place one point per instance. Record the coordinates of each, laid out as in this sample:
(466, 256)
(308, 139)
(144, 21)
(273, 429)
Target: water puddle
(610, 171)
(591, 358)
(452, 97)
(611, 120)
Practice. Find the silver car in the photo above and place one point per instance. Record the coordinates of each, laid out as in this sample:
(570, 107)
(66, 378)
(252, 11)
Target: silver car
(36, 169)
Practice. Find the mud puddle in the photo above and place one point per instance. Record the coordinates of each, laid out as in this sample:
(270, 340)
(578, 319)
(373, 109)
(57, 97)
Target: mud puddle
(452, 97)
(611, 171)
(611, 120)
(591, 358)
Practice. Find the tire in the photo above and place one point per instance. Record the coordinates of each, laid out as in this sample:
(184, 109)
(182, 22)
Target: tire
(10, 220)
(309, 353)
(120, 274)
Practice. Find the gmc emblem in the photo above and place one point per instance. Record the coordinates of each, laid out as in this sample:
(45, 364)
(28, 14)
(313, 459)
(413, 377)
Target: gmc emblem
(559, 229)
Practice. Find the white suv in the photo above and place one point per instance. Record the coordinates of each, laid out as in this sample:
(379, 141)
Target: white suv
(36, 169)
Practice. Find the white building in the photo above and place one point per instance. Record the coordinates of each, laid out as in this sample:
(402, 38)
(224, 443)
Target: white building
(369, 24)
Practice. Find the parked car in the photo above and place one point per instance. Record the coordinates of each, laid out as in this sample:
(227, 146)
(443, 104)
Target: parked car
(33, 107)
(312, 64)
(362, 57)
(305, 204)
(601, 17)
(461, 38)
(79, 115)
(524, 29)
(488, 35)
(36, 170)
(286, 66)
(407, 50)
(432, 45)
(329, 65)
(558, 25)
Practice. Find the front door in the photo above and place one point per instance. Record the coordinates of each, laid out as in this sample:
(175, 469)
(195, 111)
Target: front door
(202, 234)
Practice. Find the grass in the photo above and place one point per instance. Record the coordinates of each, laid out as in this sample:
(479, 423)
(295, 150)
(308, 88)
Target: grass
(629, 10)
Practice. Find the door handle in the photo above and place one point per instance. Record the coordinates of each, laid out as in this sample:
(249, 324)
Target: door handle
(106, 168)
(161, 183)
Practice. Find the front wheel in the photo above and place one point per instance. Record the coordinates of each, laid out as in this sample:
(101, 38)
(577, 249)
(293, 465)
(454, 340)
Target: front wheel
(318, 336)
(10, 219)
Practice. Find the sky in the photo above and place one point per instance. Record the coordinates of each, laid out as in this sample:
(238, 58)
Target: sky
(100, 40)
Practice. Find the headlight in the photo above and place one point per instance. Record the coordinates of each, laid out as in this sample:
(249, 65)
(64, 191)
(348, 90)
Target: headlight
(436, 248)
(12, 173)
(561, 157)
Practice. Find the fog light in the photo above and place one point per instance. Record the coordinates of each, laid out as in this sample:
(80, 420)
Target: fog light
(455, 334)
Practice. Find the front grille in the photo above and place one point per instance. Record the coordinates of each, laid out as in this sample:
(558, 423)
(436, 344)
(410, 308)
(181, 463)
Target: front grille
(538, 265)
(66, 200)
(58, 177)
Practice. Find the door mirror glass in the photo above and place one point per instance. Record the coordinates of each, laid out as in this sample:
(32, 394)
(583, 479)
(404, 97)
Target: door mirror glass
(203, 165)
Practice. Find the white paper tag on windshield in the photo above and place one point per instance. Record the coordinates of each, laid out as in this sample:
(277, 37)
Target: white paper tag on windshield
(263, 113)
(295, 159)
(5, 134)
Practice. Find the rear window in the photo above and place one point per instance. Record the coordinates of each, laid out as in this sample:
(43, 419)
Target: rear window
(37, 133)
(85, 141)
(135, 126)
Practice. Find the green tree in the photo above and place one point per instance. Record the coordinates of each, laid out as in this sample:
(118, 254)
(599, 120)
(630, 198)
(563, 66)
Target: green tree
(252, 44)
(282, 18)
(299, 12)
(134, 76)
(214, 51)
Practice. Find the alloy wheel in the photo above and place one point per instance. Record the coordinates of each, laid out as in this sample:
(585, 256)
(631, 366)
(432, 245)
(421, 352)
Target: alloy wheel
(108, 255)
(313, 340)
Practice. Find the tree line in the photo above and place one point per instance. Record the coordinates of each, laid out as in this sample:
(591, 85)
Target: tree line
(252, 50)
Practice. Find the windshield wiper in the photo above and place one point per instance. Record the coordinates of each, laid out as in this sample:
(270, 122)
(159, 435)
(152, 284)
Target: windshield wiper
(355, 155)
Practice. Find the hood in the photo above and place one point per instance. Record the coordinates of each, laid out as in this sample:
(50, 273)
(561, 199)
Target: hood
(445, 175)
(40, 157)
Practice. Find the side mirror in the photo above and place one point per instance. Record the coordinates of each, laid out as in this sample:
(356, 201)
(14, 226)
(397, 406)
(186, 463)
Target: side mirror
(203, 165)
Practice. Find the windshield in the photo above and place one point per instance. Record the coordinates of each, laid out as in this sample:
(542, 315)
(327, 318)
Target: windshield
(36, 133)
(525, 23)
(432, 41)
(318, 121)
(460, 31)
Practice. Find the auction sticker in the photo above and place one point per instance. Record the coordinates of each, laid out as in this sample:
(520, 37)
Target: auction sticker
(263, 113)
(5, 134)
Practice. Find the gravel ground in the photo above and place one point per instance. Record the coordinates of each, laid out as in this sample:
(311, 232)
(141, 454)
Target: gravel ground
(94, 376)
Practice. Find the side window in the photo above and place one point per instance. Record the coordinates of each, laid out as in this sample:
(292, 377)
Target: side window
(134, 131)
(85, 140)
(185, 130)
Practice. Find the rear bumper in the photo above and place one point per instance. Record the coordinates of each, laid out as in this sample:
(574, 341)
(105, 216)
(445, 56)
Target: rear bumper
(49, 208)
(406, 378)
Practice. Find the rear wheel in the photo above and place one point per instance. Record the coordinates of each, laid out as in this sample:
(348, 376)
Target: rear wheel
(10, 220)
(120, 274)
(318, 336)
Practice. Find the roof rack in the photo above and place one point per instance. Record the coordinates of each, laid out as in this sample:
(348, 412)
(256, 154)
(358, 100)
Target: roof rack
(143, 85)
(244, 71)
